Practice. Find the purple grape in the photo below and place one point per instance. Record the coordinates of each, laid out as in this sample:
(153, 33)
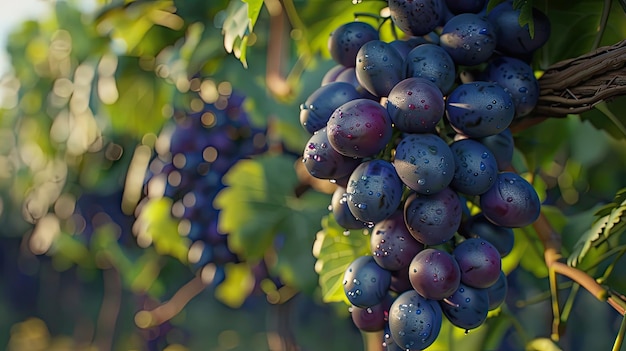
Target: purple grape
(341, 211)
(479, 261)
(518, 78)
(475, 169)
(433, 219)
(392, 245)
(497, 292)
(404, 46)
(463, 6)
(320, 105)
(467, 308)
(502, 238)
(415, 105)
(479, 109)
(434, 274)
(511, 201)
(416, 17)
(374, 191)
(514, 39)
(433, 63)
(346, 40)
(414, 321)
(469, 39)
(502, 146)
(332, 74)
(379, 67)
(349, 76)
(371, 319)
(324, 162)
(359, 128)
(400, 281)
(424, 162)
(365, 283)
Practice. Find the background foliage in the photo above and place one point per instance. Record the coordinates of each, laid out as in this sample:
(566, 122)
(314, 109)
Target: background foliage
(84, 106)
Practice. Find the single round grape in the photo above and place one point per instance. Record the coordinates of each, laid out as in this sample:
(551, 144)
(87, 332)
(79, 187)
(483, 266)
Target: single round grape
(467, 308)
(416, 17)
(379, 67)
(365, 283)
(414, 321)
(346, 40)
(518, 78)
(513, 39)
(404, 46)
(324, 162)
(433, 63)
(415, 105)
(359, 128)
(374, 191)
(479, 109)
(502, 146)
(319, 106)
(497, 292)
(469, 39)
(433, 219)
(479, 262)
(392, 245)
(475, 167)
(434, 274)
(463, 6)
(502, 238)
(371, 319)
(341, 211)
(424, 162)
(511, 201)
(332, 74)
(349, 76)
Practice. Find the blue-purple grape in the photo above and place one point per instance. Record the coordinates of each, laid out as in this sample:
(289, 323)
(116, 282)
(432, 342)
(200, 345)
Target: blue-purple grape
(433, 219)
(346, 40)
(414, 321)
(365, 283)
(518, 78)
(379, 67)
(415, 105)
(393, 247)
(322, 161)
(497, 292)
(416, 17)
(320, 105)
(469, 39)
(433, 63)
(475, 167)
(434, 274)
(479, 261)
(511, 201)
(424, 162)
(502, 238)
(341, 210)
(359, 128)
(371, 319)
(479, 109)
(502, 146)
(467, 308)
(400, 281)
(374, 191)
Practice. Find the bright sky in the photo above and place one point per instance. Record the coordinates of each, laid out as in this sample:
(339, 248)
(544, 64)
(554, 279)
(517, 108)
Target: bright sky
(12, 13)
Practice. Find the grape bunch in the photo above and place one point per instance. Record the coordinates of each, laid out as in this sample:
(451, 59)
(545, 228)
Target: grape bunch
(193, 154)
(422, 156)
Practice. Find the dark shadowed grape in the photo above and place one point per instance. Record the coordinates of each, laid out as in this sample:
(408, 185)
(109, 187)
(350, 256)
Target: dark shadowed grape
(404, 46)
(462, 6)
(479, 109)
(500, 237)
(359, 128)
(467, 308)
(400, 281)
(346, 40)
(479, 261)
(518, 78)
(433, 219)
(341, 211)
(393, 247)
(511, 201)
(371, 319)
(434, 274)
(475, 167)
(379, 67)
(374, 191)
(433, 63)
(319, 106)
(469, 39)
(415, 105)
(502, 146)
(365, 283)
(497, 292)
(416, 17)
(324, 162)
(414, 321)
(424, 162)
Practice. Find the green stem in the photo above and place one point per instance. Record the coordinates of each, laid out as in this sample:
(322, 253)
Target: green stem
(604, 19)
(569, 303)
(556, 313)
(619, 340)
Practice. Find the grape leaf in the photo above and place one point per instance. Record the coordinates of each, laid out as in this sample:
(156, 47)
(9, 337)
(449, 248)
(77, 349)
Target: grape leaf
(241, 16)
(526, 14)
(609, 222)
(259, 205)
(335, 251)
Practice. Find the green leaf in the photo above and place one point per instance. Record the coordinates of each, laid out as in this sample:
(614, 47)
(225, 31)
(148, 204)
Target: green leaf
(609, 116)
(526, 14)
(241, 16)
(238, 284)
(335, 248)
(542, 344)
(609, 222)
(262, 214)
